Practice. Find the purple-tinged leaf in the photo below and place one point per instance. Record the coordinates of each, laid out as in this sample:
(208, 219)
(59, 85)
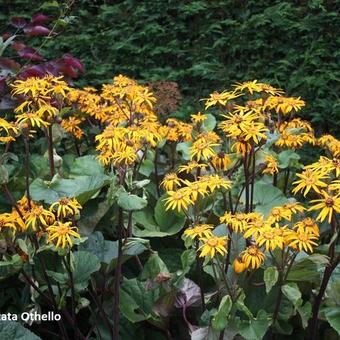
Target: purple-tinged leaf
(40, 18)
(33, 71)
(18, 22)
(72, 61)
(36, 30)
(9, 64)
(68, 71)
(18, 45)
(30, 53)
(189, 294)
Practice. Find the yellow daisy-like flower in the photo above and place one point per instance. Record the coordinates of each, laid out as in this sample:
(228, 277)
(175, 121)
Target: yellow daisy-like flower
(198, 118)
(191, 166)
(301, 240)
(171, 181)
(199, 231)
(252, 228)
(254, 132)
(66, 207)
(213, 245)
(276, 214)
(62, 233)
(252, 257)
(221, 161)
(37, 216)
(271, 165)
(32, 119)
(71, 125)
(237, 222)
(328, 204)
(215, 182)
(294, 207)
(7, 222)
(196, 188)
(309, 180)
(126, 156)
(335, 185)
(220, 98)
(307, 225)
(269, 238)
(202, 149)
(179, 200)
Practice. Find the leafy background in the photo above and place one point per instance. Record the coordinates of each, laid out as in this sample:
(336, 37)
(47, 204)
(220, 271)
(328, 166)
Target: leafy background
(204, 45)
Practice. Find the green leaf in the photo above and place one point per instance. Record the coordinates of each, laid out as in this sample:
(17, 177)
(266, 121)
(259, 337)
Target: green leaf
(305, 313)
(292, 293)
(129, 201)
(106, 251)
(153, 267)
(159, 223)
(270, 277)
(169, 221)
(332, 315)
(10, 265)
(255, 329)
(266, 196)
(86, 166)
(136, 301)
(288, 159)
(210, 123)
(220, 320)
(11, 330)
(85, 264)
(183, 148)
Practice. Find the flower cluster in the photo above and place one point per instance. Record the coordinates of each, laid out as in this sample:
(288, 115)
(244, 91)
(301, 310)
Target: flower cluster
(57, 221)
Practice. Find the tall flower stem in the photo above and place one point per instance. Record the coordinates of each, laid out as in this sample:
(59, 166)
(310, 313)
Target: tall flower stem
(333, 263)
(50, 149)
(27, 170)
(199, 268)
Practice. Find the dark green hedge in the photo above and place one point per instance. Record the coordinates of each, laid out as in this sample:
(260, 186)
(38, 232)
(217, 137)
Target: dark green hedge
(209, 44)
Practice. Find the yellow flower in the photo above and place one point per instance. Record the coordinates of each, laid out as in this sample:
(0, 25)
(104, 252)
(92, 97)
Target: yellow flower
(329, 204)
(252, 257)
(198, 118)
(196, 188)
(37, 216)
(7, 221)
(192, 165)
(32, 119)
(62, 233)
(237, 222)
(239, 266)
(202, 149)
(66, 207)
(335, 185)
(294, 207)
(221, 161)
(255, 132)
(250, 86)
(276, 214)
(309, 180)
(301, 240)
(241, 147)
(171, 181)
(219, 98)
(285, 104)
(269, 237)
(253, 227)
(71, 125)
(179, 200)
(215, 182)
(126, 156)
(271, 165)
(199, 231)
(213, 245)
(307, 225)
